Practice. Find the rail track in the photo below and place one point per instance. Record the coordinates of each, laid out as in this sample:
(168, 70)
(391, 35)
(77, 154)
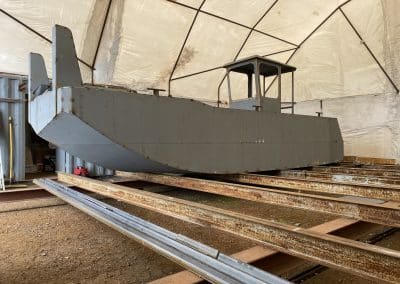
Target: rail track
(364, 198)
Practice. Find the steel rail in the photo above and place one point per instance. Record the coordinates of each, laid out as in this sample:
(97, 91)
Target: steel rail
(369, 191)
(375, 213)
(317, 269)
(365, 260)
(281, 264)
(203, 260)
(337, 177)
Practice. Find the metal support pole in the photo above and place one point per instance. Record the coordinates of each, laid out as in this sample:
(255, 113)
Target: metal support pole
(249, 85)
(258, 88)
(263, 93)
(279, 83)
(292, 92)
(229, 88)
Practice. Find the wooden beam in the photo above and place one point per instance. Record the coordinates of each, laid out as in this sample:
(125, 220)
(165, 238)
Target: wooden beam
(375, 213)
(368, 191)
(254, 254)
(359, 171)
(365, 260)
(368, 160)
(338, 177)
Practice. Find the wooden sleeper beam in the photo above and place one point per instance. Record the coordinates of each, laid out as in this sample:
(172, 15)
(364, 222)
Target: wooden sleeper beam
(253, 254)
(359, 171)
(338, 177)
(369, 191)
(375, 213)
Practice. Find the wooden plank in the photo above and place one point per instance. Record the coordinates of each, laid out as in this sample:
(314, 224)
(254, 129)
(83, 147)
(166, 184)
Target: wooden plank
(362, 210)
(338, 177)
(368, 191)
(254, 254)
(393, 173)
(369, 160)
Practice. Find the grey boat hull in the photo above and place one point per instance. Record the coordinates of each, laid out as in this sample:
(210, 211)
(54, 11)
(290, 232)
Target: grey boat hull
(129, 131)
(136, 132)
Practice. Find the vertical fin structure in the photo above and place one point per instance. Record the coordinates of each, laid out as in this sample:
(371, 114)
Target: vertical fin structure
(38, 81)
(66, 70)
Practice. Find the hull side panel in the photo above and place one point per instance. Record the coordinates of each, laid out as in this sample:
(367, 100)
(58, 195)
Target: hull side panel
(74, 136)
(191, 136)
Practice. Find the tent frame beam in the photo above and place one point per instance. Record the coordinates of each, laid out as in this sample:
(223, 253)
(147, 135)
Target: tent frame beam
(183, 46)
(37, 33)
(230, 21)
(220, 67)
(242, 46)
(339, 8)
(370, 51)
(100, 37)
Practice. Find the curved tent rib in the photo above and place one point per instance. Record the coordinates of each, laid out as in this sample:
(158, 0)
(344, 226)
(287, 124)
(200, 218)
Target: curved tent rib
(101, 34)
(183, 46)
(254, 29)
(339, 8)
(37, 33)
(244, 42)
(232, 22)
(214, 13)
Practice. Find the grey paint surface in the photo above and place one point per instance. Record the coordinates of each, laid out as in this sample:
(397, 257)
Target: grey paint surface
(135, 132)
(131, 132)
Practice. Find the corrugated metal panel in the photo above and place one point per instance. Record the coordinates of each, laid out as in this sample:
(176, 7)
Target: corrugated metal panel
(12, 107)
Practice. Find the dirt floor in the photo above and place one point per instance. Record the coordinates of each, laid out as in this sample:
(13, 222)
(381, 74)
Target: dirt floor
(60, 244)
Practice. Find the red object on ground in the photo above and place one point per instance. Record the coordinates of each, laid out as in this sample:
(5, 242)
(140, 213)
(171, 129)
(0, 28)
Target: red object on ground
(81, 171)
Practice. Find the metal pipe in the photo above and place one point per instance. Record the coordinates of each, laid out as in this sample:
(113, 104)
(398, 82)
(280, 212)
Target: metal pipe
(229, 88)
(249, 85)
(11, 149)
(292, 92)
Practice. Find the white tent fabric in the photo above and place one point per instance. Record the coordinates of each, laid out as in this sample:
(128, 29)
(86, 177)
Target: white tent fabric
(342, 49)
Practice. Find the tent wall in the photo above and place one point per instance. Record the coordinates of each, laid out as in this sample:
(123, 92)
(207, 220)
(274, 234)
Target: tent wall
(136, 43)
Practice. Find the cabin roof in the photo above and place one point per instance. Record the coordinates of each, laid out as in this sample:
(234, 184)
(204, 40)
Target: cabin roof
(267, 66)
